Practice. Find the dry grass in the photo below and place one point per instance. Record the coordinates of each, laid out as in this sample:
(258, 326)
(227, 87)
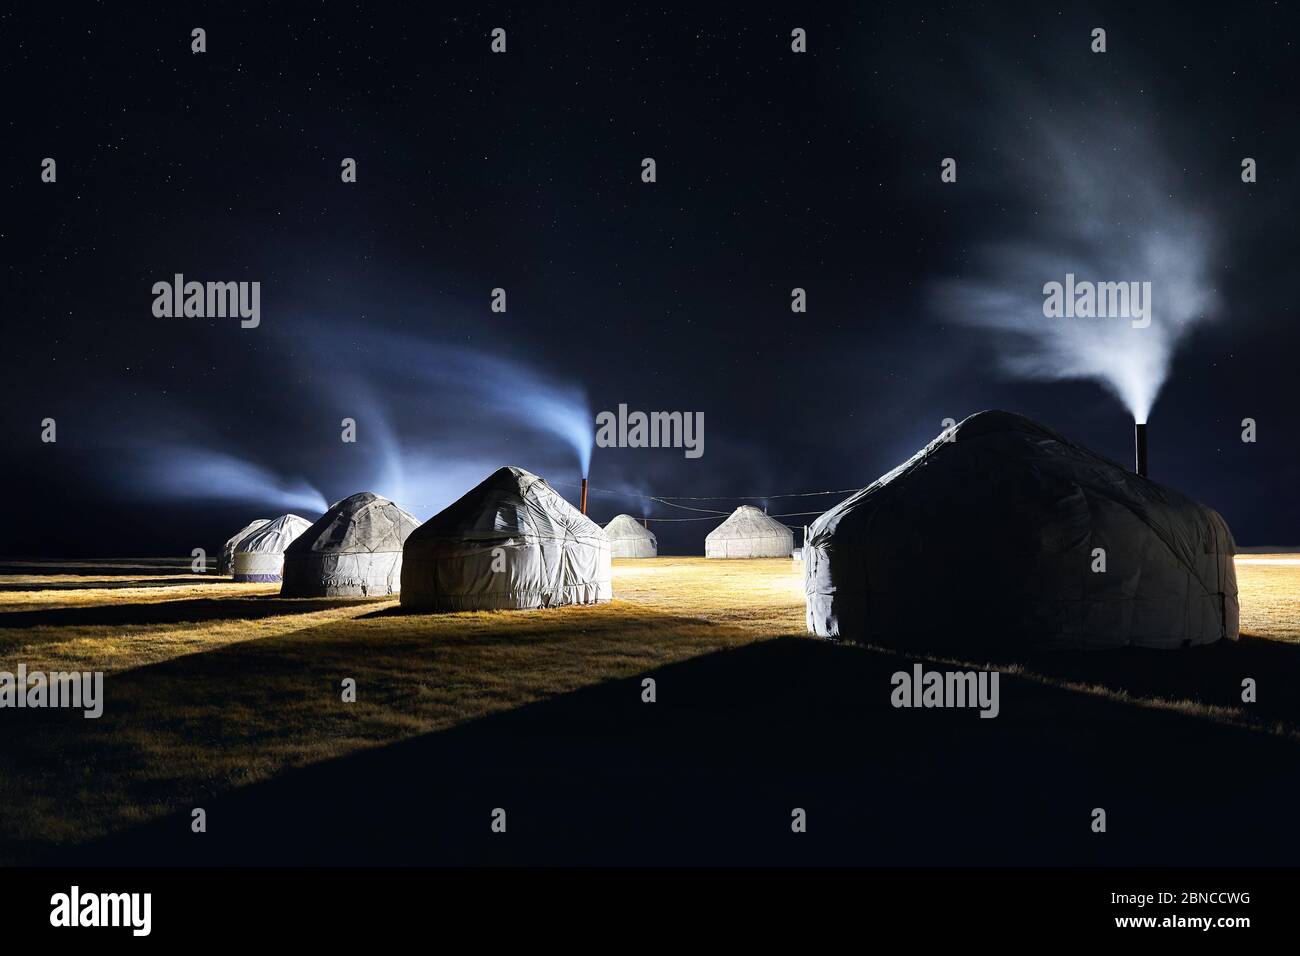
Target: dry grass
(214, 685)
(227, 684)
(1269, 587)
(80, 590)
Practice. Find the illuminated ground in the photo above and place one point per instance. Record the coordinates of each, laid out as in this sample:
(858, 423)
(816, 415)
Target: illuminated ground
(214, 686)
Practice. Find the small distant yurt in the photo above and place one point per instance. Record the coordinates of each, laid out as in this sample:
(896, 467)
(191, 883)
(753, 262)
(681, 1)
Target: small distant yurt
(227, 561)
(511, 542)
(749, 533)
(1010, 537)
(628, 538)
(353, 550)
(260, 556)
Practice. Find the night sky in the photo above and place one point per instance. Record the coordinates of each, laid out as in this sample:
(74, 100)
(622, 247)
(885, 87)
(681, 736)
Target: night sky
(522, 170)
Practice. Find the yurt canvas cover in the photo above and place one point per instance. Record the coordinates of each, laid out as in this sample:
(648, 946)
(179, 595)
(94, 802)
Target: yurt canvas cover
(991, 540)
(511, 542)
(629, 539)
(353, 550)
(260, 556)
(228, 551)
(749, 533)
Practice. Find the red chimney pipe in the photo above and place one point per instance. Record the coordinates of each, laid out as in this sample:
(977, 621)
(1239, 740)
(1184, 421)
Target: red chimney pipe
(583, 506)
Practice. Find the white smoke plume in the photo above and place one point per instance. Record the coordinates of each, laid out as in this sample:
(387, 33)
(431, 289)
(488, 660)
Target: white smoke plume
(191, 473)
(1107, 210)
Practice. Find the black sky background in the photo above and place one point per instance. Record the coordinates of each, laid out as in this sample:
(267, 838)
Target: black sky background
(522, 171)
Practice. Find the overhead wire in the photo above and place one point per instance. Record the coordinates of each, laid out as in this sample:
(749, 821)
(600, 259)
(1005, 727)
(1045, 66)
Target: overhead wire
(709, 513)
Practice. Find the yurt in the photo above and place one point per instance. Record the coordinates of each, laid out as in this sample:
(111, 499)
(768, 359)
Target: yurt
(1010, 537)
(511, 542)
(227, 561)
(749, 533)
(628, 538)
(353, 550)
(260, 556)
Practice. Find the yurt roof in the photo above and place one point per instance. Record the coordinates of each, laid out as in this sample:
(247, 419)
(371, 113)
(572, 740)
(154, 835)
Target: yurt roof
(989, 441)
(364, 522)
(246, 530)
(625, 526)
(511, 502)
(274, 536)
(749, 522)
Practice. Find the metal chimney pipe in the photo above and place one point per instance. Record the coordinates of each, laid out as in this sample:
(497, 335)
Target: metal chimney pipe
(583, 507)
(1140, 447)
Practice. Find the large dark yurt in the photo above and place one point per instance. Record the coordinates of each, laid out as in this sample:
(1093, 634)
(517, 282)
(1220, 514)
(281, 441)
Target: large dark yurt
(1003, 535)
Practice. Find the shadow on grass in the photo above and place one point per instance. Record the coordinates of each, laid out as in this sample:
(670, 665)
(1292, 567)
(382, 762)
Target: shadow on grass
(107, 567)
(212, 719)
(1211, 674)
(398, 611)
(710, 773)
(395, 611)
(194, 610)
(153, 582)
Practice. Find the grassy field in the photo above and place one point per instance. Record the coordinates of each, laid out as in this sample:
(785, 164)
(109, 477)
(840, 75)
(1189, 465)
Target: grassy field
(1269, 586)
(213, 686)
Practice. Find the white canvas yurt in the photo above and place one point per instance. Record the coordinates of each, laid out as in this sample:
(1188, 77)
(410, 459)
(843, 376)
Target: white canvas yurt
(225, 565)
(628, 538)
(996, 540)
(511, 542)
(260, 556)
(353, 550)
(749, 533)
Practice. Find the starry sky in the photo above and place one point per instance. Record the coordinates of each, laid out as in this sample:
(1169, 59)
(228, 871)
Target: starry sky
(522, 171)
